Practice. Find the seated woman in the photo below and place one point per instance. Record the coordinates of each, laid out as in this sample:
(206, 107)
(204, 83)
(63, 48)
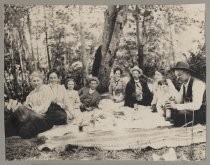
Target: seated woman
(89, 97)
(31, 118)
(72, 95)
(117, 86)
(60, 108)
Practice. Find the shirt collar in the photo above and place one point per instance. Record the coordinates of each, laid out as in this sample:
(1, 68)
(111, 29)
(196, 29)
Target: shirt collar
(91, 91)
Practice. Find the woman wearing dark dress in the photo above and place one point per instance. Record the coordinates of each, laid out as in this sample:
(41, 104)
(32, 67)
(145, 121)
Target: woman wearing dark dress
(89, 97)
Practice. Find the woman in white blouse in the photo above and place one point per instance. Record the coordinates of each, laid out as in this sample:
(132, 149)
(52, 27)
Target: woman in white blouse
(59, 98)
(30, 119)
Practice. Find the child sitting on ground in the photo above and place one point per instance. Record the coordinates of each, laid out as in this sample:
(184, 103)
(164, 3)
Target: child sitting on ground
(73, 96)
(164, 90)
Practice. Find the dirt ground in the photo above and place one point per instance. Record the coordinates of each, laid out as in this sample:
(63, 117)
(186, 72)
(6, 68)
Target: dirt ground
(26, 149)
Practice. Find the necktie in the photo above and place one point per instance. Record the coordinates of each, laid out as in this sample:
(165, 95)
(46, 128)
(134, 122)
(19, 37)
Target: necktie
(116, 82)
(184, 93)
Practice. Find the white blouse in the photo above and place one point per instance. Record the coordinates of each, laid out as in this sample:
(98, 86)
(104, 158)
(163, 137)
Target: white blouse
(39, 99)
(59, 95)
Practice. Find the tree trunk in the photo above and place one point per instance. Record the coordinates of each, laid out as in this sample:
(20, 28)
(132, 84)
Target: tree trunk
(115, 19)
(140, 38)
(169, 24)
(21, 52)
(83, 49)
(37, 50)
(46, 40)
(32, 51)
(171, 44)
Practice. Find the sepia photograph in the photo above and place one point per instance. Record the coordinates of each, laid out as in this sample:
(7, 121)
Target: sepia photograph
(105, 82)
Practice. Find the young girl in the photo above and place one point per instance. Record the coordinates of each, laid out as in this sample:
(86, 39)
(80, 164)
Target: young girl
(72, 95)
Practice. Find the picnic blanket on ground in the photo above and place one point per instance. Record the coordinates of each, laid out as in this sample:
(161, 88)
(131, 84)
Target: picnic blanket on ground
(115, 127)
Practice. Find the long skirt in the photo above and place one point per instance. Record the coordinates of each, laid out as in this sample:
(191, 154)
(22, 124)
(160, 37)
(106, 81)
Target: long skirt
(26, 123)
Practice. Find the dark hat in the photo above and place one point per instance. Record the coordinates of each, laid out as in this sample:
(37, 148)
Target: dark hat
(94, 79)
(182, 66)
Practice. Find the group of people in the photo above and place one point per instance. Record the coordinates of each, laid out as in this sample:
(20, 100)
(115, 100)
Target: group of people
(55, 104)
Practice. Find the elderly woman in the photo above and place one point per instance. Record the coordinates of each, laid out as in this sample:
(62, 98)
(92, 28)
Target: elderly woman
(89, 97)
(60, 108)
(117, 86)
(31, 118)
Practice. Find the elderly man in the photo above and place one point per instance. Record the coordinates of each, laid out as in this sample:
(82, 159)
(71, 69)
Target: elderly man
(137, 91)
(89, 97)
(189, 106)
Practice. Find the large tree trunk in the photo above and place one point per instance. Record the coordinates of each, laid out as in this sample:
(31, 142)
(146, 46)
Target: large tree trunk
(114, 22)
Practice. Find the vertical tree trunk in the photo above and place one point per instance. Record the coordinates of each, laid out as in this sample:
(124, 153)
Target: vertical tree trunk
(115, 19)
(83, 50)
(140, 38)
(46, 40)
(32, 51)
(37, 50)
(21, 52)
(171, 43)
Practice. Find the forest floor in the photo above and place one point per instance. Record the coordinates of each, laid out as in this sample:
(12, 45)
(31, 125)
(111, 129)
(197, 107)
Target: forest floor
(27, 149)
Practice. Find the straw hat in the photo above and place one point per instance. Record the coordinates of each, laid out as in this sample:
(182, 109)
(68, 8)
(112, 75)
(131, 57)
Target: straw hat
(137, 69)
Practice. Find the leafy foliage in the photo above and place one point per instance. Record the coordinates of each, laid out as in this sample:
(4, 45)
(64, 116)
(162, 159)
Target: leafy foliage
(31, 30)
(198, 64)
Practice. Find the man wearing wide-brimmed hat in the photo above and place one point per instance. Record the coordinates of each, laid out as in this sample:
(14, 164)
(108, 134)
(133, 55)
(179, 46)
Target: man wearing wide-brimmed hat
(137, 91)
(89, 97)
(190, 106)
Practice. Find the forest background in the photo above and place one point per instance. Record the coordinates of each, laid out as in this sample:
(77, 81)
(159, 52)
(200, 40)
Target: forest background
(83, 40)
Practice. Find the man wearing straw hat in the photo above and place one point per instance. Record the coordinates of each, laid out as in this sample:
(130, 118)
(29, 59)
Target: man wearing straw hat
(137, 91)
(189, 106)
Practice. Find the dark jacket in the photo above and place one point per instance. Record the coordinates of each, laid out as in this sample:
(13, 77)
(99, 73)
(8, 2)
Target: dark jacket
(130, 98)
(89, 100)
